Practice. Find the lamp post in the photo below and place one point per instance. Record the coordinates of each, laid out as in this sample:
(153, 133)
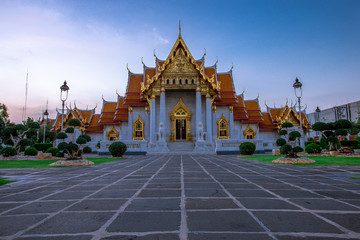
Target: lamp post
(46, 114)
(64, 88)
(317, 117)
(298, 93)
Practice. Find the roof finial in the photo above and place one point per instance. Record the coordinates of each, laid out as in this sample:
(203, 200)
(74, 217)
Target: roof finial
(95, 107)
(217, 60)
(204, 52)
(179, 28)
(258, 96)
(117, 93)
(154, 53)
(243, 92)
(287, 100)
(75, 104)
(142, 61)
(232, 66)
(87, 107)
(127, 67)
(102, 96)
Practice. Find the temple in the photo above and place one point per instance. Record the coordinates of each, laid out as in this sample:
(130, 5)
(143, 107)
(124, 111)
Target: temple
(180, 105)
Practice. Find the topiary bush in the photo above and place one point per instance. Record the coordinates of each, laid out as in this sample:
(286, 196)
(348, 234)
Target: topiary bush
(310, 142)
(60, 154)
(298, 149)
(61, 135)
(8, 151)
(117, 149)
(74, 122)
(357, 139)
(346, 150)
(286, 149)
(42, 146)
(87, 137)
(69, 130)
(247, 148)
(280, 142)
(313, 148)
(87, 150)
(31, 151)
(53, 151)
(349, 143)
(61, 146)
(80, 140)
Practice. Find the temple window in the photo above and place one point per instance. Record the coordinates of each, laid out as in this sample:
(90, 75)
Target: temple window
(168, 81)
(223, 128)
(186, 81)
(138, 128)
(112, 135)
(180, 81)
(192, 81)
(173, 81)
(249, 133)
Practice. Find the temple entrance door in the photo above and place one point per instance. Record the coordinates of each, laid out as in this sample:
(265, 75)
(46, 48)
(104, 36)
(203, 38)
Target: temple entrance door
(180, 129)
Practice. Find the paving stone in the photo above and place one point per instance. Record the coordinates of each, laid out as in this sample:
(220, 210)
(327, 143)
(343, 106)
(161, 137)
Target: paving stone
(145, 204)
(276, 186)
(145, 222)
(348, 220)
(114, 194)
(147, 237)
(208, 203)
(6, 206)
(68, 195)
(12, 224)
(340, 194)
(77, 237)
(192, 185)
(309, 238)
(266, 203)
(250, 193)
(296, 194)
(81, 222)
(240, 186)
(164, 185)
(236, 221)
(41, 207)
(98, 205)
(295, 222)
(160, 193)
(323, 204)
(208, 192)
(20, 197)
(228, 236)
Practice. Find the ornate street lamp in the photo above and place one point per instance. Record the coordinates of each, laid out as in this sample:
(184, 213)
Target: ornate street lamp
(46, 114)
(298, 93)
(64, 88)
(317, 117)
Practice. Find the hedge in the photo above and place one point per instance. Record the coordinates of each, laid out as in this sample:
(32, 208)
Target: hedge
(42, 146)
(247, 148)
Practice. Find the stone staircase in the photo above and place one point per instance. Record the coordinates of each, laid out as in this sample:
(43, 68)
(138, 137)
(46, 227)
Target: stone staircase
(181, 147)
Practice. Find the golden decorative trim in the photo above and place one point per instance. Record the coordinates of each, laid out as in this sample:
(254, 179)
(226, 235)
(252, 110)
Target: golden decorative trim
(180, 111)
(112, 133)
(249, 133)
(223, 128)
(138, 129)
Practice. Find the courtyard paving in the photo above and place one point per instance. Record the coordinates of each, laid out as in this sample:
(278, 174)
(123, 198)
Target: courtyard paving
(170, 197)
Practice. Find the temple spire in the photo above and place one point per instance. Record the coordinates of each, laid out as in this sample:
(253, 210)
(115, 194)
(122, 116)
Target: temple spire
(179, 28)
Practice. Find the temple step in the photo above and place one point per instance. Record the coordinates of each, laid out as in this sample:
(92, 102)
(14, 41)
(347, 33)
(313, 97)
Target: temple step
(181, 146)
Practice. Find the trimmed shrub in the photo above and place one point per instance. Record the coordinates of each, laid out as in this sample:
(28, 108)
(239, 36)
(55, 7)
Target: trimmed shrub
(53, 151)
(357, 139)
(1, 147)
(31, 151)
(287, 125)
(61, 135)
(282, 132)
(349, 143)
(313, 148)
(117, 149)
(69, 130)
(81, 141)
(87, 150)
(61, 146)
(323, 143)
(42, 146)
(8, 151)
(280, 142)
(310, 142)
(87, 137)
(247, 148)
(74, 122)
(72, 147)
(340, 132)
(60, 154)
(98, 144)
(285, 149)
(293, 135)
(25, 142)
(298, 149)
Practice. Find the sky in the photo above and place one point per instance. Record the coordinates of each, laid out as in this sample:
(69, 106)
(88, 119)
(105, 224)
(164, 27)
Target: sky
(90, 43)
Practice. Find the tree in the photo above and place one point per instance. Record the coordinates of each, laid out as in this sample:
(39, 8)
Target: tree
(72, 124)
(290, 138)
(18, 132)
(330, 131)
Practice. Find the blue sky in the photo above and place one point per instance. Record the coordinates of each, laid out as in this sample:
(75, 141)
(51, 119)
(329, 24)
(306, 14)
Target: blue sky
(89, 43)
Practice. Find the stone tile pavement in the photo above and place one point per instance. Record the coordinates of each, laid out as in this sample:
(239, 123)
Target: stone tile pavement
(171, 197)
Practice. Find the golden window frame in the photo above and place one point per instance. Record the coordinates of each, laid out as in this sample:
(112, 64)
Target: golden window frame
(138, 130)
(223, 127)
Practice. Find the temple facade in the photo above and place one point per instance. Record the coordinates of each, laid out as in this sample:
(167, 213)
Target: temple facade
(180, 105)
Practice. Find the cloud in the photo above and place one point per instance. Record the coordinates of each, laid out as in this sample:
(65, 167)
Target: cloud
(90, 54)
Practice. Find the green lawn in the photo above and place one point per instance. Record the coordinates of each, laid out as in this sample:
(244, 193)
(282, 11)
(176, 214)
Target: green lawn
(4, 181)
(320, 160)
(45, 163)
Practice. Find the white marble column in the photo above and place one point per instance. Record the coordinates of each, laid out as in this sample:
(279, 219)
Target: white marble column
(198, 111)
(231, 122)
(130, 124)
(208, 119)
(152, 120)
(162, 107)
